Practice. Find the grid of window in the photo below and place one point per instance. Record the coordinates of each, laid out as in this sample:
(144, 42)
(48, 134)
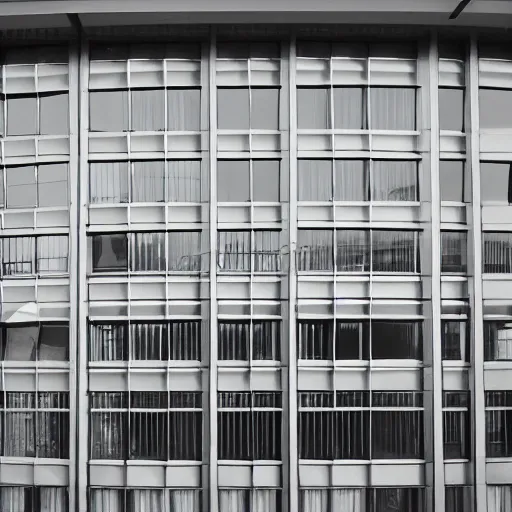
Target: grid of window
(359, 340)
(35, 424)
(35, 342)
(176, 340)
(455, 340)
(104, 499)
(145, 181)
(29, 255)
(498, 423)
(34, 499)
(146, 425)
(357, 425)
(454, 252)
(249, 340)
(358, 180)
(456, 425)
(358, 250)
(497, 340)
(497, 252)
(368, 499)
(29, 186)
(251, 500)
(246, 251)
(173, 251)
(249, 425)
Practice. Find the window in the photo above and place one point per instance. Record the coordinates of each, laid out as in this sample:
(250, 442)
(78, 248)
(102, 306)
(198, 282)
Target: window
(29, 255)
(147, 251)
(366, 499)
(499, 498)
(452, 181)
(243, 251)
(234, 178)
(103, 499)
(497, 252)
(397, 340)
(495, 108)
(249, 425)
(451, 109)
(454, 252)
(35, 342)
(496, 183)
(352, 250)
(161, 425)
(254, 108)
(42, 114)
(36, 425)
(454, 340)
(498, 423)
(457, 498)
(145, 181)
(497, 340)
(183, 109)
(177, 340)
(184, 251)
(253, 500)
(395, 251)
(235, 340)
(334, 426)
(393, 108)
(315, 250)
(110, 252)
(315, 339)
(456, 425)
(108, 111)
(394, 180)
(397, 425)
(34, 499)
(148, 109)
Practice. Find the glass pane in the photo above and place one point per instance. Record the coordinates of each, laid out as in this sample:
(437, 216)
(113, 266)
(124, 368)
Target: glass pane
(315, 180)
(234, 250)
(148, 183)
(351, 180)
(183, 109)
(495, 108)
(2, 196)
(148, 110)
(393, 108)
(267, 251)
(21, 187)
(52, 185)
(54, 343)
(52, 254)
(352, 250)
(314, 250)
(108, 182)
(2, 107)
(497, 252)
(313, 109)
(451, 177)
(233, 109)
(233, 181)
(54, 113)
(184, 181)
(349, 108)
(108, 111)
(451, 109)
(454, 251)
(265, 109)
(22, 116)
(20, 343)
(17, 255)
(147, 252)
(265, 180)
(394, 251)
(394, 180)
(110, 252)
(184, 252)
(495, 181)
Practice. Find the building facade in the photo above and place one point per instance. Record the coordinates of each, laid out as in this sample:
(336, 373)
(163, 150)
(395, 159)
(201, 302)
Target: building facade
(253, 267)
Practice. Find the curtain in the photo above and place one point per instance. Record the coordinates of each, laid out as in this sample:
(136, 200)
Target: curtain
(108, 182)
(499, 498)
(107, 342)
(349, 108)
(349, 500)
(52, 434)
(265, 500)
(234, 500)
(13, 499)
(149, 342)
(395, 251)
(19, 440)
(352, 340)
(108, 434)
(148, 108)
(21, 343)
(315, 500)
(315, 180)
(351, 180)
(497, 252)
(234, 338)
(184, 181)
(148, 183)
(188, 500)
(352, 250)
(313, 108)
(183, 109)
(185, 435)
(52, 254)
(184, 251)
(185, 340)
(234, 250)
(233, 181)
(148, 435)
(453, 251)
(315, 339)
(17, 255)
(393, 108)
(315, 251)
(394, 180)
(147, 500)
(147, 252)
(266, 340)
(53, 499)
(107, 500)
(267, 251)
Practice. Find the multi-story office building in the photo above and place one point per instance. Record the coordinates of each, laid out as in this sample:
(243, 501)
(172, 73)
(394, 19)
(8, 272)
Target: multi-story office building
(256, 267)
